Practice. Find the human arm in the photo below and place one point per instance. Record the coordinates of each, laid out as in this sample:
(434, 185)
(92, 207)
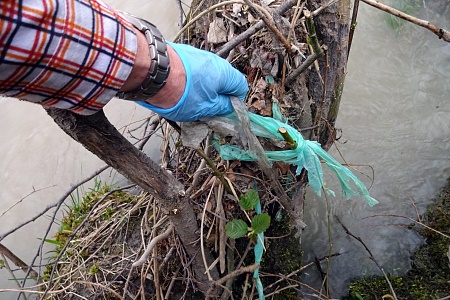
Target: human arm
(54, 54)
(65, 61)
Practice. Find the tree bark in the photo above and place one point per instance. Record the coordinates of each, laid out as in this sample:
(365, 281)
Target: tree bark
(332, 27)
(100, 137)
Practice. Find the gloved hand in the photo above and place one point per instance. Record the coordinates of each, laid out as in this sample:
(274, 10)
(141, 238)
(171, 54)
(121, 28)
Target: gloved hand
(210, 80)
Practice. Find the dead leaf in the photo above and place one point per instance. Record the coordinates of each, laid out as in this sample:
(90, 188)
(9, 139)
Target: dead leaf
(237, 8)
(209, 206)
(217, 32)
(230, 175)
(283, 167)
(261, 85)
(247, 171)
(260, 59)
(267, 110)
(257, 105)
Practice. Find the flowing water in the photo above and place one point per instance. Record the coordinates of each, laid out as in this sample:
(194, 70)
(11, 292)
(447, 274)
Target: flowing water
(395, 116)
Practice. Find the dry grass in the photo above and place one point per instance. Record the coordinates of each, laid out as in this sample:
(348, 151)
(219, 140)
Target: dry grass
(98, 261)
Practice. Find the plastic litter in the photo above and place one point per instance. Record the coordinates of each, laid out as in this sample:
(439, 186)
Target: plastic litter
(305, 156)
(258, 250)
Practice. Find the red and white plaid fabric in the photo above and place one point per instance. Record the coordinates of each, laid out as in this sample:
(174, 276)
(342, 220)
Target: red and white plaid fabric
(70, 54)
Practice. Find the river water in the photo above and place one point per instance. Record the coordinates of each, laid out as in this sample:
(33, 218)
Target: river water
(395, 116)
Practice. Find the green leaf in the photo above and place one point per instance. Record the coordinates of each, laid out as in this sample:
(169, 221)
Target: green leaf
(249, 200)
(260, 223)
(358, 296)
(54, 242)
(236, 228)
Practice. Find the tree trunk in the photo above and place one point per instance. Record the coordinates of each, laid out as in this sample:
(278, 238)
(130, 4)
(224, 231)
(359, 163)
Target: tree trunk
(332, 27)
(100, 137)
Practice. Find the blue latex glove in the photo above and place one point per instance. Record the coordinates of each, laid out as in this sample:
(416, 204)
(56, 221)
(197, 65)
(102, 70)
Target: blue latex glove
(210, 80)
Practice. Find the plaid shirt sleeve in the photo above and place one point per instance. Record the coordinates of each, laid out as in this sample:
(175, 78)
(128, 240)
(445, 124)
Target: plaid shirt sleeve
(69, 54)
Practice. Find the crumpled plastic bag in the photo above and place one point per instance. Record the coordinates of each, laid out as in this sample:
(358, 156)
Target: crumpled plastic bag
(305, 156)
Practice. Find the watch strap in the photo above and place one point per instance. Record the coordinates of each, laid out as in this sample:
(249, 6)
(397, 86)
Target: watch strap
(159, 66)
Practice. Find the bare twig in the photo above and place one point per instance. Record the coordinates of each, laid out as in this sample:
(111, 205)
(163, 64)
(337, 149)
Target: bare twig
(267, 18)
(201, 167)
(151, 126)
(152, 244)
(17, 261)
(237, 272)
(181, 18)
(23, 198)
(13, 276)
(352, 25)
(281, 289)
(211, 8)
(202, 246)
(223, 52)
(305, 65)
(38, 292)
(312, 32)
(324, 6)
(297, 12)
(287, 137)
(287, 277)
(56, 204)
(233, 274)
(216, 171)
(318, 120)
(412, 220)
(230, 268)
(371, 256)
(221, 225)
(441, 33)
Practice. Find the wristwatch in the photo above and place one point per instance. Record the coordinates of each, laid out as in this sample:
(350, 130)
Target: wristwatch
(159, 66)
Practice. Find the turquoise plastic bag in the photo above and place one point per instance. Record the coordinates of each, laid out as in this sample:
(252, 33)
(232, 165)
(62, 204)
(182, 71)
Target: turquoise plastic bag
(258, 250)
(305, 156)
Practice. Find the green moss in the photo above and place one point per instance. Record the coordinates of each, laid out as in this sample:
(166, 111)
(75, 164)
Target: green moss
(283, 255)
(75, 213)
(430, 274)
(80, 206)
(94, 269)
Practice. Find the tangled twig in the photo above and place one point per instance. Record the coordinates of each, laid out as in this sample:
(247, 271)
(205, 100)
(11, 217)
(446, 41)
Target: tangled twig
(152, 244)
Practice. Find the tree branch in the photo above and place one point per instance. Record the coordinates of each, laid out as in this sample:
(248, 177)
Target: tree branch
(57, 204)
(371, 256)
(223, 52)
(100, 137)
(17, 261)
(441, 33)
